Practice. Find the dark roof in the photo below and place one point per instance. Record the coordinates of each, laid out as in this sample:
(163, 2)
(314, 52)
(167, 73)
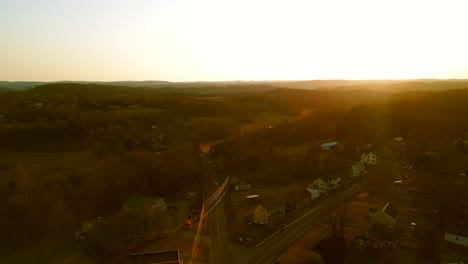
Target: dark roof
(457, 230)
(383, 233)
(271, 203)
(169, 256)
(360, 236)
(391, 211)
(303, 193)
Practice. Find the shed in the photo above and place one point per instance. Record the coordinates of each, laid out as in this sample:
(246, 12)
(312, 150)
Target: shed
(328, 145)
(242, 186)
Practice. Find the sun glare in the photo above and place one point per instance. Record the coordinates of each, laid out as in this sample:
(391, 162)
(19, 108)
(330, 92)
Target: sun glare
(241, 40)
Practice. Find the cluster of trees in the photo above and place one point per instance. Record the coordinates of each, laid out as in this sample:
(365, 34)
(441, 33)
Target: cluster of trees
(127, 228)
(423, 119)
(111, 119)
(38, 206)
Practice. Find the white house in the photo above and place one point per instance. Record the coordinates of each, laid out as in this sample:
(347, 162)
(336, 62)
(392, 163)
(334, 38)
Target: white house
(357, 169)
(369, 158)
(457, 235)
(314, 193)
(321, 185)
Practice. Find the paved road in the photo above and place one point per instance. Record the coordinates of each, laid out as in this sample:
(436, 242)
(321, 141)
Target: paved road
(217, 227)
(274, 247)
(219, 250)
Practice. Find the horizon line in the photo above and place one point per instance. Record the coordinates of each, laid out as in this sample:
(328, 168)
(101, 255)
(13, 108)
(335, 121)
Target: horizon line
(301, 80)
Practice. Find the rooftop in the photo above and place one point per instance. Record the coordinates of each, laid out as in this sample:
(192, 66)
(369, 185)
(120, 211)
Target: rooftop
(391, 211)
(383, 233)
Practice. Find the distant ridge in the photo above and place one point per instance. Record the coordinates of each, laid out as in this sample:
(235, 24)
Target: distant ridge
(20, 85)
(385, 85)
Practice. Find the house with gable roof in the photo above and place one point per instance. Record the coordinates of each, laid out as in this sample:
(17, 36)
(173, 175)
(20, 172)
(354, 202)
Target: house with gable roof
(268, 211)
(379, 236)
(388, 215)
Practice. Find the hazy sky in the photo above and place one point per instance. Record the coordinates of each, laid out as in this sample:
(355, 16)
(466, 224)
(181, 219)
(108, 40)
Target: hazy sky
(192, 40)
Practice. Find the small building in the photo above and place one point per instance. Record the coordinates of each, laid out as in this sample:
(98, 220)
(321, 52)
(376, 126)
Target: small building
(328, 145)
(297, 199)
(321, 185)
(268, 212)
(378, 237)
(166, 257)
(334, 182)
(397, 145)
(369, 158)
(356, 170)
(388, 215)
(242, 186)
(314, 193)
(456, 235)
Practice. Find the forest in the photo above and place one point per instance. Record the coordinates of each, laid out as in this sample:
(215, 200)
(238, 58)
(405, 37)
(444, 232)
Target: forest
(142, 141)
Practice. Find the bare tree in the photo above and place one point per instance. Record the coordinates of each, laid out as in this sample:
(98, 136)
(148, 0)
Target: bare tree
(332, 221)
(338, 218)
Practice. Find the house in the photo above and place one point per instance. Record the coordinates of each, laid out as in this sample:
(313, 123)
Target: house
(268, 212)
(242, 186)
(297, 199)
(397, 145)
(326, 184)
(334, 182)
(379, 236)
(139, 202)
(166, 257)
(369, 158)
(412, 237)
(456, 235)
(314, 193)
(356, 170)
(388, 215)
(321, 185)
